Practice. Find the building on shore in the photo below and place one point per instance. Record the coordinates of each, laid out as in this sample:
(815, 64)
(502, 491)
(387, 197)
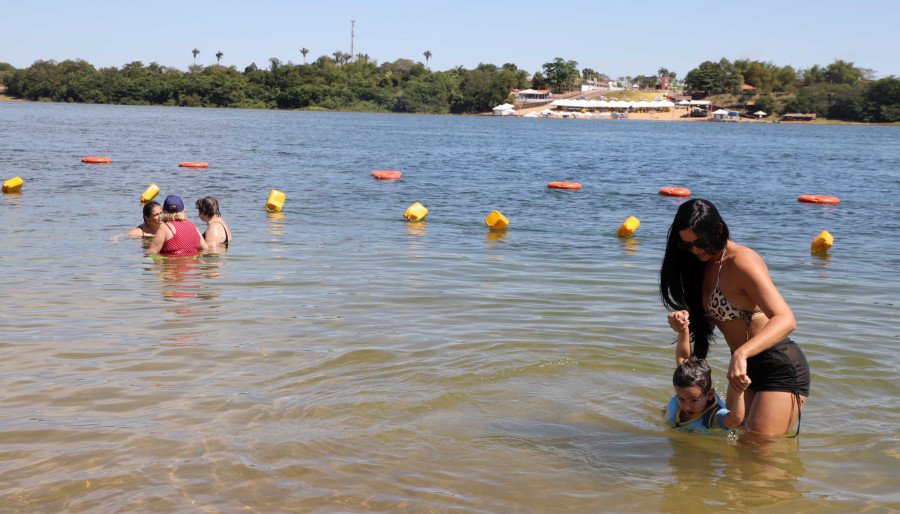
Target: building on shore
(527, 96)
(795, 116)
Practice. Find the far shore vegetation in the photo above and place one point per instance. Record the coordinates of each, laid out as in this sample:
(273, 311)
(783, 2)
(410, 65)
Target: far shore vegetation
(838, 91)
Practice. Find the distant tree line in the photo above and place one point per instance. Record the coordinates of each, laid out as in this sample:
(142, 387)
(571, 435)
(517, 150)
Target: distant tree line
(337, 82)
(342, 82)
(839, 91)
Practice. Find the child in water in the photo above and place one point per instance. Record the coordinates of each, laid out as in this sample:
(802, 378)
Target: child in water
(696, 406)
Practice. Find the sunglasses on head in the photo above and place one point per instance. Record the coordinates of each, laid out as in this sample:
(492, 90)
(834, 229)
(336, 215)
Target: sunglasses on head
(700, 244)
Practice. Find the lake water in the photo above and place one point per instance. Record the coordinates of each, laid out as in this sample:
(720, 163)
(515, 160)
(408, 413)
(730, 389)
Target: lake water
(338, 358)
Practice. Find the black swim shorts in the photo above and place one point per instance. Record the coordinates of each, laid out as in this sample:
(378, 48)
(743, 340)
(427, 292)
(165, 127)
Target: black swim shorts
(782, 367)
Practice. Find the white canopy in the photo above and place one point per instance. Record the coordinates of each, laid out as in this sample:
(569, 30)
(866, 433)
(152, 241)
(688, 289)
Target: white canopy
(504, 110)
(615, 104)
(760, 113)
(720, 111)
(684, 102)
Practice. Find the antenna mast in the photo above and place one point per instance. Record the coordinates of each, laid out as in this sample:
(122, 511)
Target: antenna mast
(352, 38)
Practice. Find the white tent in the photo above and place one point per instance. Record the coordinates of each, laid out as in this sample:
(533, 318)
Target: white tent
(547, 112)
(723, 115)
(504, 110)
(760, 114)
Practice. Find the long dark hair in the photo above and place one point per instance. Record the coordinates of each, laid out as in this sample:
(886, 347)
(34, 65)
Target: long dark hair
(681, 275)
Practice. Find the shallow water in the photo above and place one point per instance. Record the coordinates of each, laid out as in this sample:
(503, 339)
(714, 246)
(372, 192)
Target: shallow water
(337, 358)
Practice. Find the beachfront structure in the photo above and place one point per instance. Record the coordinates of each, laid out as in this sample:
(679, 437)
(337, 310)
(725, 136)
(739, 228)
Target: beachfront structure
(613, 105)
(794, 116)
(600, 85)
(532, 96)
(723, 115)
(696, 108)
(504, 110)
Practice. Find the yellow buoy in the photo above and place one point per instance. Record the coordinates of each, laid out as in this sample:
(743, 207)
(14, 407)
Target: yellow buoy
(415, 212)
(627, 229)
(149, 193)
(822, 242)
(275, 202)
(496, 221)
(13, 185)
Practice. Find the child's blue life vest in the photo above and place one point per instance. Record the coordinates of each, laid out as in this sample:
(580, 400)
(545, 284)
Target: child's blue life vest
(712, 417)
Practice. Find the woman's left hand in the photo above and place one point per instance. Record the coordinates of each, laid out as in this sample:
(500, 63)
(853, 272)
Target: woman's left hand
(737, 371)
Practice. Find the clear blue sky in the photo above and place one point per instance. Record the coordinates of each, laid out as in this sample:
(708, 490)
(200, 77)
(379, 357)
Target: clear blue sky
(616, 37)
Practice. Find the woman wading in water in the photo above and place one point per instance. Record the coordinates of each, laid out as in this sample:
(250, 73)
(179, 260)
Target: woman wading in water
(712, 282)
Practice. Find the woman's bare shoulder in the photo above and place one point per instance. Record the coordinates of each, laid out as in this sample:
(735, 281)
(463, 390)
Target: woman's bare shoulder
(748, 263)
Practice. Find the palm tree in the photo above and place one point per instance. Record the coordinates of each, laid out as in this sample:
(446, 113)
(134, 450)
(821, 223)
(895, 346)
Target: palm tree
(219, 55)
(427, 54)
(195, 52)
(304, 51)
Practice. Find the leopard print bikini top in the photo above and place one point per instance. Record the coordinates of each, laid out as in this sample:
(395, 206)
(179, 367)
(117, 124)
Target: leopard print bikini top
(720, 309)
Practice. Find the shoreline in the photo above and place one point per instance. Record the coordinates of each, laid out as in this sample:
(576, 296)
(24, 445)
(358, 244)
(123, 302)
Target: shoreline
(672, 116)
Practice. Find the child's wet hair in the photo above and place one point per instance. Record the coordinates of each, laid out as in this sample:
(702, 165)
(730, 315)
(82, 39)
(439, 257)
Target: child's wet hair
(693, 372)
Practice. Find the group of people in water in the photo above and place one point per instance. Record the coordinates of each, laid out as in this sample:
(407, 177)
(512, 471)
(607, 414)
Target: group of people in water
(707, 280)
(173, 234)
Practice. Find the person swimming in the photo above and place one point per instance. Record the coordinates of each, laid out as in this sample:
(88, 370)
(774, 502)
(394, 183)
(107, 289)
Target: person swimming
(696, 405)
(217, 231)
(152, 220)
(177, 236)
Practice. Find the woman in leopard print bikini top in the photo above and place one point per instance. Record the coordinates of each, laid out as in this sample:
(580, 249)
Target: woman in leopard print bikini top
(720, 309)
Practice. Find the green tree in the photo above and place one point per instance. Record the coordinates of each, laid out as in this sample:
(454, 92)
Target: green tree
(846, 102)
(340, 57)
(562, 75)
(219, 55)
(487, 86)
(304, 51)
(712, 78)
(842, 72)
(427, 54)
(766, 104)
(589, 74)
(664, 72)
(646, 81)
(430, 93)
(196, 53)
(6, 71)
(813, 75)
(813, 99)
(882, 100)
